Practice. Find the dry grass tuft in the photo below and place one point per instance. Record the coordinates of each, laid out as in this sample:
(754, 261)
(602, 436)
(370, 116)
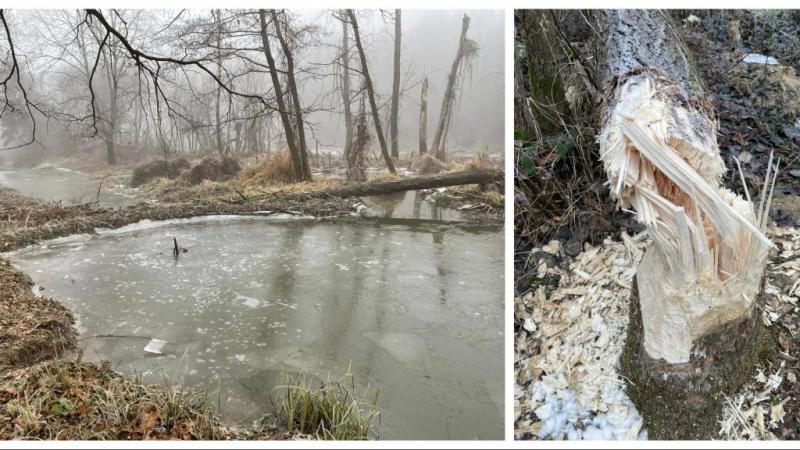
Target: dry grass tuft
(275, 168)
(479, 161)
(331, 411)
(428, 165)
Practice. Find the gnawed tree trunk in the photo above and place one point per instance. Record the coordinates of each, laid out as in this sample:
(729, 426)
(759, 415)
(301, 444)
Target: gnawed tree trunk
(694, 330)
(466, 48)
(423, 118)
(376, 119)
(395, 84)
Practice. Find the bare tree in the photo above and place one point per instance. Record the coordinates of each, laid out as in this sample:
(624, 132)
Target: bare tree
(283, 111)
(395, 84)
(423, 117)
(376, 119)
(346, 94)
(466, 50)
(291, 85)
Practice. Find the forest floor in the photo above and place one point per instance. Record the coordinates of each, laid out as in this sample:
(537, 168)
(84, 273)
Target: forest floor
(576, 259)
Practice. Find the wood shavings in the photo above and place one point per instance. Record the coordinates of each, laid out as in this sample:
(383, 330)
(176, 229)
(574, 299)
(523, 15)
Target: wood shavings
(582, 327)
(759, 410)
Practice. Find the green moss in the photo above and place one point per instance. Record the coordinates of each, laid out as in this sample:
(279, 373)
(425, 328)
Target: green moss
(675, 408)
(548, 91)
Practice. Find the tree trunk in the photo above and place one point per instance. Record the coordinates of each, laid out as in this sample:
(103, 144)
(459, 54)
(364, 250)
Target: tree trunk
(395, 84)
(297, 163)
(218, 117)
(346, 99)
(371, 94)
(475, 176)
(694, 331)
(291, 85)
(541, 81)
(446, 111)
(423, 118)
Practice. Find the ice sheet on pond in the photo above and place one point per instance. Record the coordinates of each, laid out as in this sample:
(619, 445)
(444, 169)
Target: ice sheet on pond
(256, 299)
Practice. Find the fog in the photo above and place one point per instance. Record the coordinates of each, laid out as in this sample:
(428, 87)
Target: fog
(145, 107)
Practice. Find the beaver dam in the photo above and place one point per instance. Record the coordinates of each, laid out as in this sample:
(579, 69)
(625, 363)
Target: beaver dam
(410, 306)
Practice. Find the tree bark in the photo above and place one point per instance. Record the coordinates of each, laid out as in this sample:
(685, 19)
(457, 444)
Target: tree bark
(291, 85)
(694, 332)
(217, 114)
(446, 111)
(376, 119)
(423, 117)
(475, 176)
(395, 84)
(346, 99)
(283, 112)
(541, 81)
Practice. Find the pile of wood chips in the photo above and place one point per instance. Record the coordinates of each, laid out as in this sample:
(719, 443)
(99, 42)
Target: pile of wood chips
(569, 345)
(570, 338)
(766, 408)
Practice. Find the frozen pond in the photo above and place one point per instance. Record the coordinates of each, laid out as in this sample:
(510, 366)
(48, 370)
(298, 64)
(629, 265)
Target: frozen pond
(415, 308)
(61, 185)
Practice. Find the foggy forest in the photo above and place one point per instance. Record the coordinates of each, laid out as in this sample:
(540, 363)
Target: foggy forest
(251, 224)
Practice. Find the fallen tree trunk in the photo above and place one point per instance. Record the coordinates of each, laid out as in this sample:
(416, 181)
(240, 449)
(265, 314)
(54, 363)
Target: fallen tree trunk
(476, 176)
(694, 332)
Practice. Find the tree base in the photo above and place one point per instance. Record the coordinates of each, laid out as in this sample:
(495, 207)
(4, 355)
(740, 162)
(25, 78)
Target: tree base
(684, 401)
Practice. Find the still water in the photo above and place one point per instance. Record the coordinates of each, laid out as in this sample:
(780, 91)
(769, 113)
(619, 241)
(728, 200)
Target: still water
(62, 185)
(414, 308)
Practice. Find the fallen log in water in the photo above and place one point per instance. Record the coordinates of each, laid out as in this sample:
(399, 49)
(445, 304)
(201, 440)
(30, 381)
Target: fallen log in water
(475, 176)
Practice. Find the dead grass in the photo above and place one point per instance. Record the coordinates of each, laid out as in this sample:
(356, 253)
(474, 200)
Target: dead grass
(479, 161)
(210, 168)
(32, 329)
(158, 169)
(427, 165)
(275, 168)
(81, 401)
(331, 411)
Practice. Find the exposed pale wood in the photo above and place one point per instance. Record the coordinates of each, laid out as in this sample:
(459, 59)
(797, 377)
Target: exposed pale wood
(658, 145)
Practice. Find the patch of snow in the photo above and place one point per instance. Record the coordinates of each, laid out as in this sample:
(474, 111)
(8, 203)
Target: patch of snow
(155, 346)
(756, 58)
(563, 415)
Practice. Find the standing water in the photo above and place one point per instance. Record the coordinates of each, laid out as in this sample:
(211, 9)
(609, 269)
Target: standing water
(414, 308)
(64, 185)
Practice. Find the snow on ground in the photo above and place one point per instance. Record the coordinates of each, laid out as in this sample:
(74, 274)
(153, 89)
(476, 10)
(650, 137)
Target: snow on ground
(571, 383)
